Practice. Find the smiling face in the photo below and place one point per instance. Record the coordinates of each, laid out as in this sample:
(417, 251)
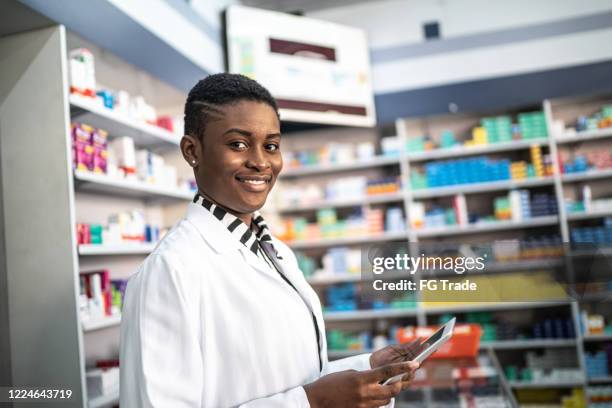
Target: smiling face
(238, 158)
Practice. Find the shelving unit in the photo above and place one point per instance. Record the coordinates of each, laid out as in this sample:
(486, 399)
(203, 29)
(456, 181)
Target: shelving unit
(87, 110)
(482, 187)
(117, 191)
(117, 249)
(103, 184)
(45, 200)
(104, 400)
(98, 324)
(555, 183)
(336, 168)
(370, 199)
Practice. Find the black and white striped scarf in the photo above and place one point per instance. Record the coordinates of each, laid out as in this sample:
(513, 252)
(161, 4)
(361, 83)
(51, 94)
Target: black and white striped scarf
(238, 228)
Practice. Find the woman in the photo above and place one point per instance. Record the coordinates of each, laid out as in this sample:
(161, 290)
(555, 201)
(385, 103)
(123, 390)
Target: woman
(220, 315)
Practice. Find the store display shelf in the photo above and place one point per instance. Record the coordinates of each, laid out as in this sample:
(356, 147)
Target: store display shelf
(588, 215)
(100, 183)
(369, 199)
(331, 279)
(577, 137)
(326, 242)
(88, 111)
(105, 400)
(98, 324)
(481, 187)
(346, 353)
(597, 337)
(332, 168)
(488, 226)
(473, 150)
(600, 380)
(128, 248)
(527, 344)
(369, 314)
(495, 306)
(586, 175)
(546, 384)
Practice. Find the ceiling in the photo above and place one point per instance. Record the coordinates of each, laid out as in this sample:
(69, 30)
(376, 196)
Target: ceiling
(305, 6)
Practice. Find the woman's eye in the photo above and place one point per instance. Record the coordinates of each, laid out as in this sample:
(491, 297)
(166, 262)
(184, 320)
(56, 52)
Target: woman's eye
(238, 145)
(272, 147)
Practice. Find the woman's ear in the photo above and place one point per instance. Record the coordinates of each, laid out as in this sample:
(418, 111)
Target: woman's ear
(190, 148)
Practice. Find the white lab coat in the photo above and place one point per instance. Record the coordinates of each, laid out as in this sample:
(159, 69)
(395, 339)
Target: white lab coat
(206, 323)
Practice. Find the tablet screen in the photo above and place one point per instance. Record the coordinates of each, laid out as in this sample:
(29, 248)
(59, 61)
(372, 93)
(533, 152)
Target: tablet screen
(435, 337)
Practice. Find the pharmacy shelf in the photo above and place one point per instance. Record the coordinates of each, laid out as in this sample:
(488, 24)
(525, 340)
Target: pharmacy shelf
(333, 168)
(597, 337)
(481, 187)
(577, 137)
(116, 249)
(346, 353)
(546, 384)
(98, 324)
(369, 314)
(105, 400)
(600, 380)
(586, 175)
(101, 183)
(459, 151)
(90, 112)
(588, 215)
(370, 199)
(487, 227)
(365, 239)
(500, 306)
(528, 344)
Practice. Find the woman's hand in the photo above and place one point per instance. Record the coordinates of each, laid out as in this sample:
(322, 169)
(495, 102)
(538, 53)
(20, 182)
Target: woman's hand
(358, 389)
(396, 353)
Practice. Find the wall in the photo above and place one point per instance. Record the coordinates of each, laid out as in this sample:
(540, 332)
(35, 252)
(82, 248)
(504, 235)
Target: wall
(481, 41)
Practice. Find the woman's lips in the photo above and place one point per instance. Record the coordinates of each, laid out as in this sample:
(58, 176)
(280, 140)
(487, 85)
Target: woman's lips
(255, 184)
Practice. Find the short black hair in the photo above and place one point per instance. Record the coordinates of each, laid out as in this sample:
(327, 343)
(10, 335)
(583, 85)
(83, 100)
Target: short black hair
(215, 91)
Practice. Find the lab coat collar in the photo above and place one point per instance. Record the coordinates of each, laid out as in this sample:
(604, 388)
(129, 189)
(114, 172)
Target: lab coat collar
(212, 230)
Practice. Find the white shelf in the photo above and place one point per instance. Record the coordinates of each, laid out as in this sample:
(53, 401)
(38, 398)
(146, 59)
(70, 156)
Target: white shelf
(116, 249)
(494, 306)
(481, 187)
(459, 151)
(588, 215)
(546, 384)
(577, 137)
(101, 183)
(104, 400)
(332, 168)
(369, 314)
(598, 337)
(600, 380)
(586, 175)
(326, 242)
(369, 199)
(488, 226)
(346, 353)
(98, 324)
(88, 111)
(527, 344)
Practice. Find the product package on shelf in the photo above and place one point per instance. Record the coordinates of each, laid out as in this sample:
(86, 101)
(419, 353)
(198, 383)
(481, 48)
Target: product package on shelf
(99, 296)
(122, 227)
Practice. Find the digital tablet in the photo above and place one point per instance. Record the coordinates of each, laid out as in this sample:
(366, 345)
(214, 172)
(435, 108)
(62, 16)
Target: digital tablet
(435, 341)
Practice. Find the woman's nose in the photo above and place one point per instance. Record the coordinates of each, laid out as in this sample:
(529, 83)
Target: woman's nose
(257, 159)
